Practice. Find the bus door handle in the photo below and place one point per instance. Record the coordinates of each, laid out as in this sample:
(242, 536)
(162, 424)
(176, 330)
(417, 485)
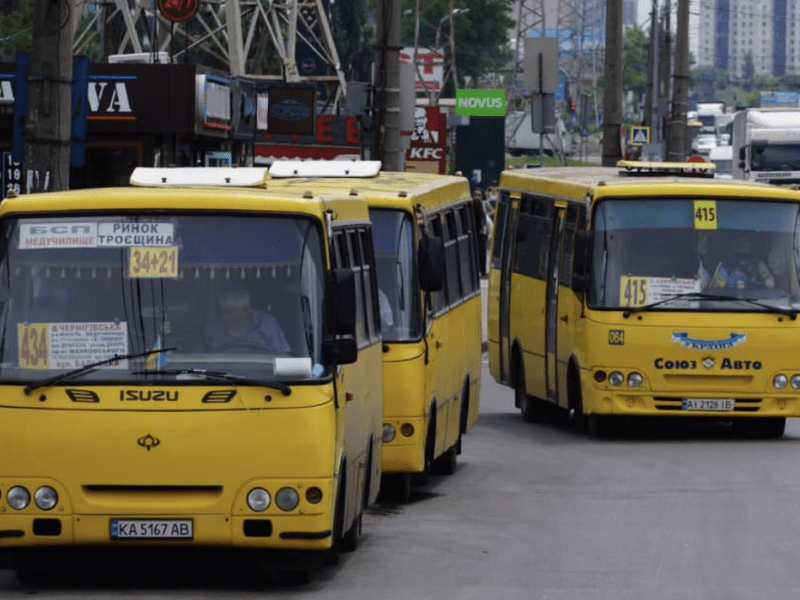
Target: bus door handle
(565, 318)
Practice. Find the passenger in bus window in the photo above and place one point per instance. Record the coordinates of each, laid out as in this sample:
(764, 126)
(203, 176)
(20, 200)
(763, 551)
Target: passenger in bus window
(241, 327)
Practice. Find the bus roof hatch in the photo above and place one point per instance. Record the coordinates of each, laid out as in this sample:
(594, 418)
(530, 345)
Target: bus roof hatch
(222, 176)
(325, 168)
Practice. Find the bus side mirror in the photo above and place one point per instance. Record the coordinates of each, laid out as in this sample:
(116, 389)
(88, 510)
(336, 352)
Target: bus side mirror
(343, 351)
(741, 153)
(342, 301)
(580, 260)
(431, 264)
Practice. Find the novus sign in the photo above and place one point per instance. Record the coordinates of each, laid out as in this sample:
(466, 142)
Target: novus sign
(481, 103)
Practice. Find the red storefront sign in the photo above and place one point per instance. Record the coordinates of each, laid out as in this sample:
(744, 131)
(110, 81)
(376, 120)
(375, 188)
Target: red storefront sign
(428, 151)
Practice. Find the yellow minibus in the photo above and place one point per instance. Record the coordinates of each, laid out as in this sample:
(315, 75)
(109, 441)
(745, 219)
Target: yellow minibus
(188, 362)
(649, 291)
(425, 239)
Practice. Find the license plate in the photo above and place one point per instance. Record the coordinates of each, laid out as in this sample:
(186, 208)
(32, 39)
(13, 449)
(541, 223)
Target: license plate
(151, 529)
(717, 404)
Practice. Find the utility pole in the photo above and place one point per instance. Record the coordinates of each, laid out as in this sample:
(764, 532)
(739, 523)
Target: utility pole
(665, 66)
(48, 117)
(386, 88)
(651, 96)
(677, 127)
(612, 95)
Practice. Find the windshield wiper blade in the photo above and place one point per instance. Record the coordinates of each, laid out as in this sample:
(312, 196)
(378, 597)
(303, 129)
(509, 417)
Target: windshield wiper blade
(221, 375)
(90, 367)
(792, 314)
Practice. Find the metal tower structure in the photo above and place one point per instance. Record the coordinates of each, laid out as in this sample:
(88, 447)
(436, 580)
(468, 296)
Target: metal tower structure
(530, 17)
(243, 37)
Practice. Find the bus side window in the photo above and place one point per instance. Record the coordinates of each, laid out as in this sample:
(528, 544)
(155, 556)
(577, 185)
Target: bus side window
(439, 298)
(467, 253)
(454, 292)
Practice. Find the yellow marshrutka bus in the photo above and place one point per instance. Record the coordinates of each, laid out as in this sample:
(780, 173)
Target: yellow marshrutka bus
(642, 293)
(185, 366)
(430, 306)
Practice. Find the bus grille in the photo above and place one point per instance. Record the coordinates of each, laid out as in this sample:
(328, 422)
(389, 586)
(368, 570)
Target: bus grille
(742, 405)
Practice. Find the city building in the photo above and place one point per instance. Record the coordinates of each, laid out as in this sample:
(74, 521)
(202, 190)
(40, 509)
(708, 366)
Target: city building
(734, 34)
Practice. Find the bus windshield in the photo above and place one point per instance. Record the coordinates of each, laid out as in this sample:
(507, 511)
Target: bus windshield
(239, 295)
(715, 253)
(393, 237)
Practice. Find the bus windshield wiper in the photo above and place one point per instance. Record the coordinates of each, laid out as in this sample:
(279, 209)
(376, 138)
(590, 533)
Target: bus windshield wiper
(792, 314)
(222, 376)
(88, 368)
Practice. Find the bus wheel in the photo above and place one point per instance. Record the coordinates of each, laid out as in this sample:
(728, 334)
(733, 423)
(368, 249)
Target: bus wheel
(353, 535)
(531, 409)
(579, 420)
(446, 463)
(295, 576)
(771, 427)
(599, 426)
(396, 487)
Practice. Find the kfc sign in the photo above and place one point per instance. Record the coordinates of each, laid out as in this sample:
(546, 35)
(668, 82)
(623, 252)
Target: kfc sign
(429, 64)
(428, 151)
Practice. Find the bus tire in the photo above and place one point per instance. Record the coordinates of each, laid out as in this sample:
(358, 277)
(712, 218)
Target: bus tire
(446, 463)
(531, 409)
(396, 487)
(333, 557)
(575, 398)
(765, 428)
(599, 426)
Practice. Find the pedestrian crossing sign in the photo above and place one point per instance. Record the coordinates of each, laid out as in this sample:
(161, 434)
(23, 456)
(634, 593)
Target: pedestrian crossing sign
(640, 135)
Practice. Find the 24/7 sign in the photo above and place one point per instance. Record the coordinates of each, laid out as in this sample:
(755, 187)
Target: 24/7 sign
(13, 173)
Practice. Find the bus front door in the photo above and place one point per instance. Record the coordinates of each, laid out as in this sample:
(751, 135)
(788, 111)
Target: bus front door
(551, 315)
(508, 232)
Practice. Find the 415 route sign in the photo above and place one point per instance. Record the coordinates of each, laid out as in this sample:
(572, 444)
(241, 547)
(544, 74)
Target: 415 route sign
(12, 175)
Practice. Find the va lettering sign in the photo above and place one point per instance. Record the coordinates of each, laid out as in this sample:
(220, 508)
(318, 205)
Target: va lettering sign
(481, 103)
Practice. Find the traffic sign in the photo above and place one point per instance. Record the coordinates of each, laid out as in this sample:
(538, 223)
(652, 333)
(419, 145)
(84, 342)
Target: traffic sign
(640, 135)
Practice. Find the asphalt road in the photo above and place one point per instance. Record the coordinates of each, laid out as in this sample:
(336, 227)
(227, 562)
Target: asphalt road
(662, 511)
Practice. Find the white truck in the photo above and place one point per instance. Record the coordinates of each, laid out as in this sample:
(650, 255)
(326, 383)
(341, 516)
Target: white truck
(521, 141)
(766, 145)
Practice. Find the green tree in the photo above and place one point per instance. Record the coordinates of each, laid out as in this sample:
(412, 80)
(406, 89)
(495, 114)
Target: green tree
(634, 69)
(708, 81)
(353, 36)
(481, 34)
(16, 28)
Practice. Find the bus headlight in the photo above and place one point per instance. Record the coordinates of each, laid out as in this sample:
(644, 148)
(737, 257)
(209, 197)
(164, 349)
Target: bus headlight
(287, 499)
(635, 380)
(388, 433)
(45, 497)
(616, 378)
(258, 499)
(18, 497)
(779, 381)
(796, 382)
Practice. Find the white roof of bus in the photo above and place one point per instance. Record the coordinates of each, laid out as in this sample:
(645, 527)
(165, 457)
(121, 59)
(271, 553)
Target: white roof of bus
(213, 176)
